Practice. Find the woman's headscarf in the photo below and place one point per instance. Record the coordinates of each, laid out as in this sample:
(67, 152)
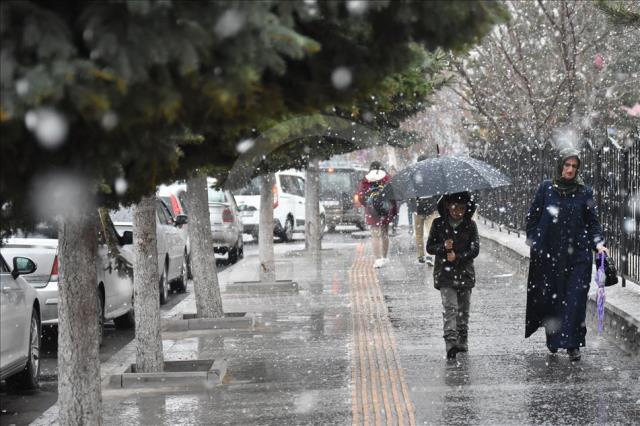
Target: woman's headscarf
(562, 185)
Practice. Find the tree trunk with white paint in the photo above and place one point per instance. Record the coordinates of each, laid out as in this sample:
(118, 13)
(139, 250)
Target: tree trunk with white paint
(79, 394)
(146, 282)
(312, 226)
(265, 239)
(203, 260)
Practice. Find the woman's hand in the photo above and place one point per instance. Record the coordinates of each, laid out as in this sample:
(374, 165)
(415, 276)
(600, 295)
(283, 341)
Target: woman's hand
(602, 249)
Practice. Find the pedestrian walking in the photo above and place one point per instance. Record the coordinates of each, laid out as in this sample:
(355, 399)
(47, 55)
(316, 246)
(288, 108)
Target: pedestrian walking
(453, 239)
(563, 231)
(425, 211)
(396, 218)
(379, 211)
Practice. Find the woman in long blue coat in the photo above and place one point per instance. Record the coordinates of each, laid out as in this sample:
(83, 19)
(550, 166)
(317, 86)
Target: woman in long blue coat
(563, 231)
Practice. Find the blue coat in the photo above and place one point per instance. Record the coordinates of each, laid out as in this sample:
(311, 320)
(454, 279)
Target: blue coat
(563, 231)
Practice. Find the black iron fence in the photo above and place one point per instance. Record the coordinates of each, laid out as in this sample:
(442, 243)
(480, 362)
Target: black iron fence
(611, 169)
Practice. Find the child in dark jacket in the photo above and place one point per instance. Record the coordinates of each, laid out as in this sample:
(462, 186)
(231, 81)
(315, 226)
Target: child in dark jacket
(454, 241)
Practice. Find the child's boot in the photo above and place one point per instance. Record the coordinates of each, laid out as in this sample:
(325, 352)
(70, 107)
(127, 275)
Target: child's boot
(452, 349)
(463, 346)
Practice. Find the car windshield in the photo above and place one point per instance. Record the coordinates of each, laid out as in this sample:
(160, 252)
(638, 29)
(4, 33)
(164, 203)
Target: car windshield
(216, 195)
(41, 230)
(253, 188)
(334, 183)
(124, 214)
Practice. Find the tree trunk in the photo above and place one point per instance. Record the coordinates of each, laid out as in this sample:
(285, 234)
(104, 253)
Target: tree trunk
(203, 260)
(265, 239)
(146, 299)
(79, 394)
(312, 230)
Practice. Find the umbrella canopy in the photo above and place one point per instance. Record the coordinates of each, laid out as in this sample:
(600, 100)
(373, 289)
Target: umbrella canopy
(444, 175)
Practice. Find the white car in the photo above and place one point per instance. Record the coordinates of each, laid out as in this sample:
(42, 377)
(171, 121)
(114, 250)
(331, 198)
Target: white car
(288, 205)
(19, 325)
(114, 271)
(171, 236)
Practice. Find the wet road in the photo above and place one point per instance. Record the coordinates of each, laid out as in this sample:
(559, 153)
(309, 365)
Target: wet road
(353, 345)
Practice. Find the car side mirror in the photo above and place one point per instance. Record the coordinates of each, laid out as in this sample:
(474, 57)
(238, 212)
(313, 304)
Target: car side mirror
(22, 266)
(181, 219)
(127, 238)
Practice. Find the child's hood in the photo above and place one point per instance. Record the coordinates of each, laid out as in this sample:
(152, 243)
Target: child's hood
(471, 208)
(375, 175)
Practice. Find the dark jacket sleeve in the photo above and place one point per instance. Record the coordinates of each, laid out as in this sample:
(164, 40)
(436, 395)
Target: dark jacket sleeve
(473, 249)
(535, 213)
(435, 245)
(594, 230)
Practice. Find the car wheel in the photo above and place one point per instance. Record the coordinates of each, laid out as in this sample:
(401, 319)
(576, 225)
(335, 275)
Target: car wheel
(181, 282)
(241, 249)
(100, 318)
(255, 236)
(189, 274)
(233, 255)
(331, 228)
(163, 287)
(127, 320)
(287, 232)
(28, 378)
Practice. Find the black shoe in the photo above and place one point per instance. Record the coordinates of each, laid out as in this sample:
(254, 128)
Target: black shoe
(421, 259)
(462, 345)
(574, 354)
(451, 353)
(552, 349)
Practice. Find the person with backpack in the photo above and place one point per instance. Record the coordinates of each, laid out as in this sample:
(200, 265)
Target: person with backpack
(454, 241)
(379, 211)
(424, 212)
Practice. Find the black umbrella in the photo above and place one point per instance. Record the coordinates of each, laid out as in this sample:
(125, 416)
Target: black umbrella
(444, 175)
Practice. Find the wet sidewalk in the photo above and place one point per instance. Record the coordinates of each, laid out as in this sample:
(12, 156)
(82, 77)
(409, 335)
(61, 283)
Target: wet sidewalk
(354, 345)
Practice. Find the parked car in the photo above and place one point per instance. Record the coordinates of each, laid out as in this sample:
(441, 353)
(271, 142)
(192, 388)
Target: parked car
(114, 271)
(338, 183)
(19, 325)
(175, 198)
(288, 205)
(226, 224)
(171, 236)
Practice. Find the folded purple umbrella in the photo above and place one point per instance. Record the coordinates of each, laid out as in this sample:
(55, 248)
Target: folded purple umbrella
(600, 279)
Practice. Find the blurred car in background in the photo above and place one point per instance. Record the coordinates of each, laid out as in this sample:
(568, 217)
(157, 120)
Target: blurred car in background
(114, 271)
(171, 243)
(19, 325)
(288, 205)
(226, 224)
(338, 184)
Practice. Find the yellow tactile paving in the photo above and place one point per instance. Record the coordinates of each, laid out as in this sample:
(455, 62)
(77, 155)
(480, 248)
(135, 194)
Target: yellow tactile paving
(380, 395)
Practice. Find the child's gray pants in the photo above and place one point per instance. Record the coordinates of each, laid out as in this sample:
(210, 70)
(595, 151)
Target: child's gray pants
(456, 313)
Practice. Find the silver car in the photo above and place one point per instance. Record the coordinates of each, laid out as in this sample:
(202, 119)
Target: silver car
(114, 271)
(226, 224)
(19, 325)
(171, 243)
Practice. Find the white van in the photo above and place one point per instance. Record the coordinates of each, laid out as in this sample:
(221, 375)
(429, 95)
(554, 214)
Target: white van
(288, 205)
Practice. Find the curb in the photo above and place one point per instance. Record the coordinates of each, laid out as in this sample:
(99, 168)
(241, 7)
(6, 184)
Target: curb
(261, 287)
(192, 374)
(207, 324)
(618, 326)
